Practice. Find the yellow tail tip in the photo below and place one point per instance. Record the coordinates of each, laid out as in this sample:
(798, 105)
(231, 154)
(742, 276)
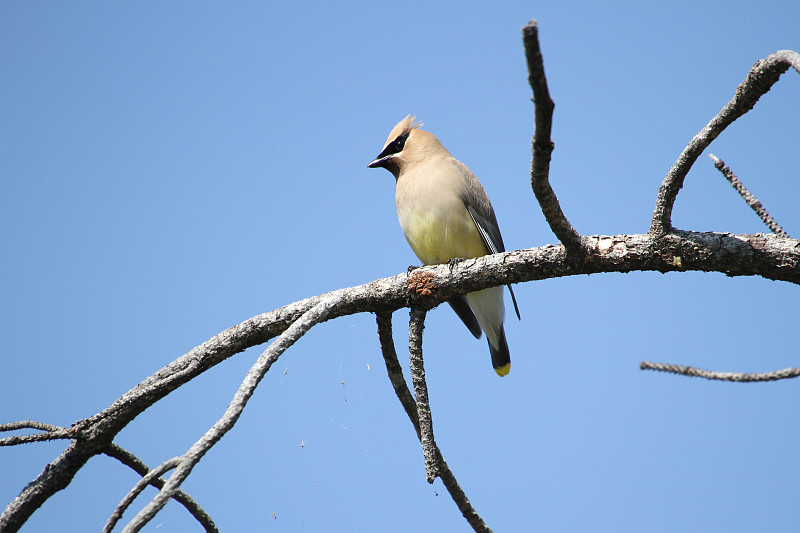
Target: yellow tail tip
(503, 370)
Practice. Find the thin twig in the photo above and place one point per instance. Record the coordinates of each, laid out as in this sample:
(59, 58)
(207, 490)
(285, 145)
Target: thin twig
(51, 432)
(130, 460)
(394, 369)
(417, 324)
(395, 372)
(748, 197)
(115, 451)
(313, 316)
(542, 145)
(759, 80)
(691, 371)
(29, 424)
(148, 479)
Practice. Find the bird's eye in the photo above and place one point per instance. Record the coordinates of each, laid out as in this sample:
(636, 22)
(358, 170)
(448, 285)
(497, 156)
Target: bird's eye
(399, 143)
(394, 147)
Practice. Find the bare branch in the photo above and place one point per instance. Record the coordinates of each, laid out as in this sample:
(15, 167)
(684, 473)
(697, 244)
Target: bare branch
(772, 257)
(759, 81)
(768, 256)
(130, 460)
(394, 369)
(407, 400)
(310, 318)
(115, 451)
(148, 479)
(417, 324)
(29, 424)
(691, 371)
(751, 200)
(542, 145)
(52, 432)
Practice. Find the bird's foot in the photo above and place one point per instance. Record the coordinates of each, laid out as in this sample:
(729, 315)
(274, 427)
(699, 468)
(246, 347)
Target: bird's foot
(412, 268)
(451, 263)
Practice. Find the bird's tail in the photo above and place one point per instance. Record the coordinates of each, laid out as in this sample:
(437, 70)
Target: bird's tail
(501, 358)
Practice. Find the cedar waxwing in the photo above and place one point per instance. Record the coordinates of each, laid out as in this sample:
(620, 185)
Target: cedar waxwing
(446, 214)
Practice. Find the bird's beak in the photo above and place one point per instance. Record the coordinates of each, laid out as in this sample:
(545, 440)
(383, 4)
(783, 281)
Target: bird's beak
(380, 161)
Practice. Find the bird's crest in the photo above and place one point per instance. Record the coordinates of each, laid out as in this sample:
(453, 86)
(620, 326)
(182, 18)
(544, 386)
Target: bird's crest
(403, 127)
(410, 123)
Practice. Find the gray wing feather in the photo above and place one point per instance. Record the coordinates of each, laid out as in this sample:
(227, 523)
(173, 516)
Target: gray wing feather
(482, 213)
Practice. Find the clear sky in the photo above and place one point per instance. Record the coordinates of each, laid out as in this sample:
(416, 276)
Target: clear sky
(171, 169)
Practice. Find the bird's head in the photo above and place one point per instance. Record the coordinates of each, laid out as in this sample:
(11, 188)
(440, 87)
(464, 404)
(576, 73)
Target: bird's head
(406, 145)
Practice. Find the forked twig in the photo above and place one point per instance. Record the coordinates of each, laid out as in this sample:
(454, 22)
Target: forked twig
(114, 451)
(318, 313)
(762, 76)
(148, 479)
(51, 432)
(395, 372)
(128, 459)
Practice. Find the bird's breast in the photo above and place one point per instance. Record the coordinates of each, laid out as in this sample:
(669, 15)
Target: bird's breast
(436, 222)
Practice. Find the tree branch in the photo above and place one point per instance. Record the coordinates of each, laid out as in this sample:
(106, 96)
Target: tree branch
(394, 369)
(786, 373)
(310, 318)
(416, 325)
(768, 256)
(51, 432)
(148, 479)
(751, 200)
(542, 146)
(114, 451)
(128, 459)
(395, 372)
(759, 81)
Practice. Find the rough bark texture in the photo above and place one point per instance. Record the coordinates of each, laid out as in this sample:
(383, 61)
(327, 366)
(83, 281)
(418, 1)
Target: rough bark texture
(768, 256)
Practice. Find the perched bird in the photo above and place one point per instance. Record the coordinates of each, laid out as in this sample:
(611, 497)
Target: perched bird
(445, 214)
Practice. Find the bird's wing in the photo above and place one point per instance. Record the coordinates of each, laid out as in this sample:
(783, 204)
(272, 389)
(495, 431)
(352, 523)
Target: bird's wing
(480, 209)
(482, 213)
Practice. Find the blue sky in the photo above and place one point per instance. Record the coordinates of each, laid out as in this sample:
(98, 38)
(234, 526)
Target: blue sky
(169, 170)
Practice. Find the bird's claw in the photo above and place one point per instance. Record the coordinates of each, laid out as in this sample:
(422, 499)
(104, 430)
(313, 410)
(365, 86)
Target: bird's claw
(411, 269)
(451, 263)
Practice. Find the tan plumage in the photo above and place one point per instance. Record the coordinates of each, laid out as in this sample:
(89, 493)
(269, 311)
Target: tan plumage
(445, 214)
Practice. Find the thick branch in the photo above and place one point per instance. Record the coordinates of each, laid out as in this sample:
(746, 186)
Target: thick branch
(542, 145)
(691, 371)
(747, 196)
(759, 81)
(395, 372)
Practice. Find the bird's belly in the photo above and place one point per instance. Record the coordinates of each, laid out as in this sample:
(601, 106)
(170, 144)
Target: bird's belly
(438, 237)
